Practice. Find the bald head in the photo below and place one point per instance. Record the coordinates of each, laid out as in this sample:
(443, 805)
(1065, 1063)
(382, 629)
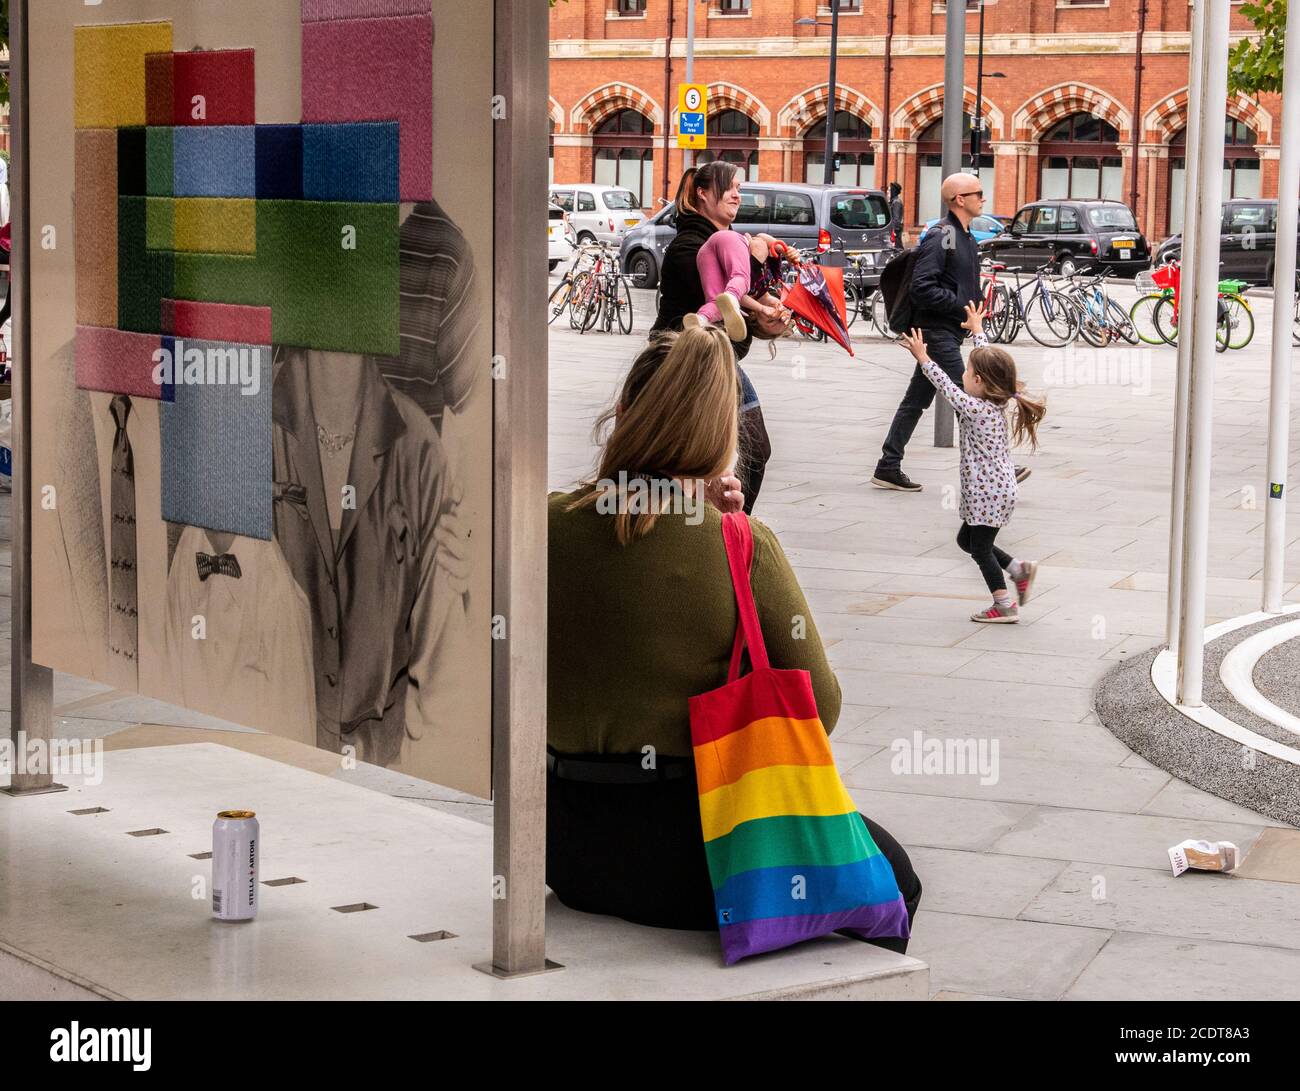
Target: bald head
(957, 183)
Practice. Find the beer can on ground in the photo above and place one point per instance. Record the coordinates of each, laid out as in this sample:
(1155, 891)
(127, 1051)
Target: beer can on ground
(235, 852)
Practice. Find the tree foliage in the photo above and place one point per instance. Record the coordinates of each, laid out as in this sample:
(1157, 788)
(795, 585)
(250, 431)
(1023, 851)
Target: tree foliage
(1255, 64)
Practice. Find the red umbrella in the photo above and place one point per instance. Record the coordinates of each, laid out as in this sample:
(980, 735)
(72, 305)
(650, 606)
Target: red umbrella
(818, 297)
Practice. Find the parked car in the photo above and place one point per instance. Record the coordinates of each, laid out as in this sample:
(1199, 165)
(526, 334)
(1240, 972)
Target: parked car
(1072, 236)
(560, 238)
(1247, 240)
(839, 221)
(597, 212)
(983, 227)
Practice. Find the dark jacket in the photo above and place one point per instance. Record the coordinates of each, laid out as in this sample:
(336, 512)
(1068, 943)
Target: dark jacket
(896, 219)
(680, 289)
(946, 276)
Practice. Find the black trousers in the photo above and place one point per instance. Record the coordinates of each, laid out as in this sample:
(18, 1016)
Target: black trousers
(944, 347)
(751, 459)
(636, 851)
(992, 561)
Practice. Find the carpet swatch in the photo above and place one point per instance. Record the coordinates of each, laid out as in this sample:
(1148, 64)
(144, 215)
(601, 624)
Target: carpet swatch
(213, 87)
(321, 294)
(279, 162)
(144, 276)
(109, 72)
(159, 168)
(216, 441)
(160, 223)
(216, 321)
(314, 11)
(356, 161)
(214, 161)
(117, 361)
(95, 226)
(376, 70)
(131, 162)
(215, 225)
(159, 97)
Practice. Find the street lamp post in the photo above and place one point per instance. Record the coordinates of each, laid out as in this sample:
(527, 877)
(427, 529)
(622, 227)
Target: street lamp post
(977, 122)
(828, 174)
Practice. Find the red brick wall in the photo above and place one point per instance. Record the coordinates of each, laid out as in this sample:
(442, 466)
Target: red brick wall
(758, 61)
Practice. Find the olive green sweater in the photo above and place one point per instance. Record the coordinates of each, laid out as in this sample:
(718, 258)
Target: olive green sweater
(636, 630)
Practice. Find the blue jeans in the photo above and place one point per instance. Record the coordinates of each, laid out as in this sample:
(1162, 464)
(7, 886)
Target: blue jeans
(944, 347)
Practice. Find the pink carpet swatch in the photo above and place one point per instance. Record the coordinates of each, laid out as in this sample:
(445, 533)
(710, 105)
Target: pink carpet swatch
(315, 11)
(216, 321)
(117, 361)
(376, 70)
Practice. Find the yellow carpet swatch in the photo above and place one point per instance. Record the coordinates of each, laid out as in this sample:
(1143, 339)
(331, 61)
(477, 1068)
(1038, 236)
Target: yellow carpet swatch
(109, 88)
(216, 225)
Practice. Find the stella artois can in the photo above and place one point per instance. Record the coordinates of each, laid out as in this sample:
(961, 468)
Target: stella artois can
(235, 851)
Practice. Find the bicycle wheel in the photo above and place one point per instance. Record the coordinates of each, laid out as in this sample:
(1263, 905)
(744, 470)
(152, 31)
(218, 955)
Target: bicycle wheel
(1143, 317)
(1241, 323)
(623, 304)
(851, 305)
(997, 313)
(1091, 328)
(1051, 319)
(809, 331)
(880, 314)
(588, 311)
(1119, 321)
(584, 287)
(1165, 322)
(607, 307)
(558, 300)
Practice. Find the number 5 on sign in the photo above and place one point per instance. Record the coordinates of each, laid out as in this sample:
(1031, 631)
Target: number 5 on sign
(692, 110)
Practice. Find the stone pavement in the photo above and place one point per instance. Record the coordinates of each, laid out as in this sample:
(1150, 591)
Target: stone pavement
(1052, 882)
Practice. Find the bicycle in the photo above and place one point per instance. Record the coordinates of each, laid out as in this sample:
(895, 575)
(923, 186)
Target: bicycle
(1101, 319)
(562, 293)
(1048, 314)
(603, 296)
(1155, 316)
(870, 305)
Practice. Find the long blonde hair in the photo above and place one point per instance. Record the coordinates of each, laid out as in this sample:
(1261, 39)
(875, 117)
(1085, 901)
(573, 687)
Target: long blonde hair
(681, 424)
(997, 368)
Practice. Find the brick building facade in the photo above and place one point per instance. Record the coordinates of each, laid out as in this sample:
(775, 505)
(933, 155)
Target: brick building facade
(1063, 110)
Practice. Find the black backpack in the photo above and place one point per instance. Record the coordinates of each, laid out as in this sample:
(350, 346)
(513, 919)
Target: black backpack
(896, 287)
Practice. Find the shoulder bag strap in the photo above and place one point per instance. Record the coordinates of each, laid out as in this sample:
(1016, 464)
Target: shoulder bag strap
(739, 540)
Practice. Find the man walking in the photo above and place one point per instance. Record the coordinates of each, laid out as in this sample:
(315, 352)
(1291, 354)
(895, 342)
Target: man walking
(945, 278)
(896, 213)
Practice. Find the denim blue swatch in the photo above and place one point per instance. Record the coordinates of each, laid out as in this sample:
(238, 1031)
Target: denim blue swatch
(351, 161)
(214, 161)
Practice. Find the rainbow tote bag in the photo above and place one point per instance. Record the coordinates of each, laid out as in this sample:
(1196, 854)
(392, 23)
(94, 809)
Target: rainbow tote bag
(789, 856)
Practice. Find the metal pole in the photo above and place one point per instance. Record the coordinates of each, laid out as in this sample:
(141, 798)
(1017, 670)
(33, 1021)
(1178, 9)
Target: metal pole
(1199, 321)
(32, 686)
(887, 173)
(1284, 263)
(977, 122)
(954, 109)
(828, 174)
(688, 154)
(1183, 369)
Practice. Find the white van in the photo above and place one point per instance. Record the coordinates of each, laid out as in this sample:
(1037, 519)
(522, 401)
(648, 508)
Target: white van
(599, 213)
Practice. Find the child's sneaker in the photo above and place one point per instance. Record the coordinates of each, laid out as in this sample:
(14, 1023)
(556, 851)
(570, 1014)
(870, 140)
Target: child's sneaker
(1024, 580)
(998, 614)
(693, 320)
(732, 319)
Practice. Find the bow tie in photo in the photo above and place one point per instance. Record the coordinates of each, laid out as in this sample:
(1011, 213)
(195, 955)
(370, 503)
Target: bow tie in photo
(220, 564)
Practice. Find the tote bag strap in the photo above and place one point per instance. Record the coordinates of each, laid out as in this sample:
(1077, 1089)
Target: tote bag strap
(739, 540)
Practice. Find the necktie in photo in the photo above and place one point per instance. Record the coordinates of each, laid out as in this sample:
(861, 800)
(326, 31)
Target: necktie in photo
(123, 616)
(217, 564)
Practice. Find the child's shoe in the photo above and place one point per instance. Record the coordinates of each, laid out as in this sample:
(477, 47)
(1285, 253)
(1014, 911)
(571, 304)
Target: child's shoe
(693, 320)
(1023, 577)
(732, 319)
(997, 614)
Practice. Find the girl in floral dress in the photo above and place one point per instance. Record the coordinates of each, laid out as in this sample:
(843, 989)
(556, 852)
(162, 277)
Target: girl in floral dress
(988, 476)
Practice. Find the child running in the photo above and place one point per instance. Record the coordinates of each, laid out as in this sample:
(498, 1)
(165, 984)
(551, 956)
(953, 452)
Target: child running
(725, 276)
(988, 476)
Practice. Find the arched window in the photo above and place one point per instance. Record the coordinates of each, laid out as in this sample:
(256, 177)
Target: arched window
(1079, 157)
(1240, 168)
(857, 159)
(733, 138)
(929, 168)
(624, 147)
